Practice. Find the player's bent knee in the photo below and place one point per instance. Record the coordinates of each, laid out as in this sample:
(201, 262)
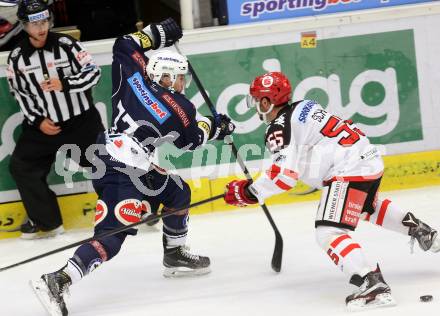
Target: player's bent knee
(109, 246)
(180, 199)
(325, 235)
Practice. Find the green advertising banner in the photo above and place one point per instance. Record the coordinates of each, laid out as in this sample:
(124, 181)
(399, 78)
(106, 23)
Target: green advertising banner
(370, 78)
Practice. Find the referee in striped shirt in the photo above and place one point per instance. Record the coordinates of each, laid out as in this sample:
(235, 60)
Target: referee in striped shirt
(51, 76)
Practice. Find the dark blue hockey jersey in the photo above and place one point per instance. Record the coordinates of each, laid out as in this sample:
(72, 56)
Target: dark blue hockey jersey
(142, 109)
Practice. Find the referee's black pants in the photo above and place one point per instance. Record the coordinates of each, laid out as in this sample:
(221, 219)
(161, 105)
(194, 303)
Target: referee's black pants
(33, 157)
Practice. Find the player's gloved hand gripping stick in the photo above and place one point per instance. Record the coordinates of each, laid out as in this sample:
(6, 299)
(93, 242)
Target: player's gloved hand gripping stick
(278, 251)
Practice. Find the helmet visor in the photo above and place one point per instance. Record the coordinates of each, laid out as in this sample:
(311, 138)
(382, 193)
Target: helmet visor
(188, 79)
(252, 102)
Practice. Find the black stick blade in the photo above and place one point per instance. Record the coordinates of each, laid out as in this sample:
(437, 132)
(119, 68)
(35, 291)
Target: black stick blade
(277, 257)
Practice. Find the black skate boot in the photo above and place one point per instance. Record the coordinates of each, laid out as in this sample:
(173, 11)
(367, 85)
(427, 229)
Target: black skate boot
(425, 235)
(179, 262)
(373, 292)
(30, 230)
(50, 290)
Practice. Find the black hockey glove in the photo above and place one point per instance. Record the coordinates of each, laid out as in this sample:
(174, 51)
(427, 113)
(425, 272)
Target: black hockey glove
(165, 33)
(221, 127)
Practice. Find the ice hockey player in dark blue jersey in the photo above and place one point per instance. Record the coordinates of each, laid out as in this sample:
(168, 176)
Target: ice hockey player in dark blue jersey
(148, 110)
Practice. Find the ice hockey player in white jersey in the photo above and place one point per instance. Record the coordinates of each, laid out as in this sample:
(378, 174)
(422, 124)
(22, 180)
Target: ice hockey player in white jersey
(308, 143)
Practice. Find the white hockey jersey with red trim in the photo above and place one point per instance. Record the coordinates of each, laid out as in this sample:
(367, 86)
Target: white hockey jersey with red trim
(308, 143)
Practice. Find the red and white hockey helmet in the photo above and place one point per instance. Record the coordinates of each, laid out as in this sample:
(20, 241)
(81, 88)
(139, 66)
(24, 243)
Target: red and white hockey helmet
(273, 85)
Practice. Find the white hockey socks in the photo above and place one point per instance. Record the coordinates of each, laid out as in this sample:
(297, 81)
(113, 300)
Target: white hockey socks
(73, 270)
(172, 241)
(346, 253)
(388, 215)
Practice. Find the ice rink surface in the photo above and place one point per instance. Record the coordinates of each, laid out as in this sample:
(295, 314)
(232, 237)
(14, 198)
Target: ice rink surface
(240, 245)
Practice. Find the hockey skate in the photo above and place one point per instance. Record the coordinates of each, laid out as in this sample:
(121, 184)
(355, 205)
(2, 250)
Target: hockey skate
(179, 262)
(425, 235)
(373, 292)
(50, 290)
(30, 230)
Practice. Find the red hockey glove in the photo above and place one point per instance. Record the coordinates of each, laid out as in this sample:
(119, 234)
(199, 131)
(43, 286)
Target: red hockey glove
(237, 193)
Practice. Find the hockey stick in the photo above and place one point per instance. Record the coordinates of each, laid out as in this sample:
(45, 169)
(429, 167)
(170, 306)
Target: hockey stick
(278, 251)
(111, 232)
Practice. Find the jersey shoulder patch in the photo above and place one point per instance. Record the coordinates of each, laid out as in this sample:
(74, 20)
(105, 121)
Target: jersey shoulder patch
(66, 41)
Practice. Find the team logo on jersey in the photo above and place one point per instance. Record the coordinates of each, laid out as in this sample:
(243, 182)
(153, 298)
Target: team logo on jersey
(177, 108)
(101, 211)
(147, 99)
(129, 211)
(267, 81)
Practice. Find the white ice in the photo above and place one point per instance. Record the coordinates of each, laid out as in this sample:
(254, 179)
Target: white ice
(240, 245)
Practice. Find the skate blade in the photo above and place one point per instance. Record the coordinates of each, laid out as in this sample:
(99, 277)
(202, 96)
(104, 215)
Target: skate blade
(381, 300)
(42, 292)
(182, 272)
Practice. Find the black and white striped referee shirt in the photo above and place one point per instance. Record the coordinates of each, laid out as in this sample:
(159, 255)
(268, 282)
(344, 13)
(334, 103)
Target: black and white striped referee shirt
(62, 57)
